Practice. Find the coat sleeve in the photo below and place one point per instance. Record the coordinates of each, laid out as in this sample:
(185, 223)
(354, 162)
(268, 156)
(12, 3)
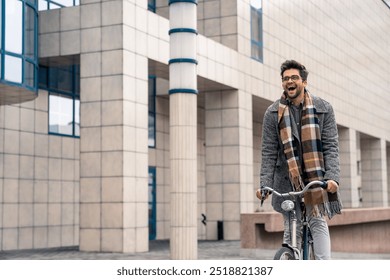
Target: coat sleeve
(330, 146)
(269, 151)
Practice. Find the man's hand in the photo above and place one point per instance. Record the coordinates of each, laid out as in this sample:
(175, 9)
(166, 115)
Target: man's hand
(332, 186)
(262, 194)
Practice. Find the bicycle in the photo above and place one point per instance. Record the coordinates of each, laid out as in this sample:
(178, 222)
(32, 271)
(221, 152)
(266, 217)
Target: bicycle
(291, 251)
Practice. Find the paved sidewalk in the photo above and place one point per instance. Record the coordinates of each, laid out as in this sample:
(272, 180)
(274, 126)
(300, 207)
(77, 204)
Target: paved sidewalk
(159, 250)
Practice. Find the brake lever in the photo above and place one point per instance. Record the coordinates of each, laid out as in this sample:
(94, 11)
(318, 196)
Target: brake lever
(264, 194)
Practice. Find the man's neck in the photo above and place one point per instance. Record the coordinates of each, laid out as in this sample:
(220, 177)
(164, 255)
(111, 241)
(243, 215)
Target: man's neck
(298, 100)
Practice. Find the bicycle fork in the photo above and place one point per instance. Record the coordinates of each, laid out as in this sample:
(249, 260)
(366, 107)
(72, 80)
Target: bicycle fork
(293, 235)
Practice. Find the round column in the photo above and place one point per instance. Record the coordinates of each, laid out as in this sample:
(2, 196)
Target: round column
(183, 128)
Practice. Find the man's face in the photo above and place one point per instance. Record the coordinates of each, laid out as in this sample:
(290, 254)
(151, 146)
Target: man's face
(293, 84)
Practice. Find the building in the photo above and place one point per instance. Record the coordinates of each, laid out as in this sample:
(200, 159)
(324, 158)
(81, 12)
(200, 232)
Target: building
(85, 112)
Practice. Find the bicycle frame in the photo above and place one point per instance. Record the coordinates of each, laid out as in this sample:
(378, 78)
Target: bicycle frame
(307, 240)
(289, 205)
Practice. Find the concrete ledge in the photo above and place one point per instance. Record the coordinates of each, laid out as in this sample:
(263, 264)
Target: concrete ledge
(364, 230)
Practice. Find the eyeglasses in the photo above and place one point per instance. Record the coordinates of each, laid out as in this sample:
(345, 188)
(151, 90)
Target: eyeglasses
(294, 78)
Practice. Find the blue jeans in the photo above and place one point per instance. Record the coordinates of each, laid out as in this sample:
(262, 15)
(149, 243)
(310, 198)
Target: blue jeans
(319, 230)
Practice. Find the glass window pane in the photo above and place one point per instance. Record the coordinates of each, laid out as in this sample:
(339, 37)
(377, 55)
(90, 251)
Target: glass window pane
(256, 30)
(65, 3)
(77, 117)
(257, 52)
(256, 4)
(29, 32)
(152, 112)
(43, 82)
(76, 79)
(13, 26)
(152, 202)
(151, 130)
(43, 5)
(152, 95)
(61, 79)
(61, 114)
(254, 25)
(13, 69)
(260, 28)
(56, 4)
(152, 5)
(29, 74)
(53, 6)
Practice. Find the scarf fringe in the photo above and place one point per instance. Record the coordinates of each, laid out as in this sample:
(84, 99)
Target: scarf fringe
(330, 209)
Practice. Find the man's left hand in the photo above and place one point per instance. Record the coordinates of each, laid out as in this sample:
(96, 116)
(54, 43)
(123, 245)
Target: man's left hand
(332, 186)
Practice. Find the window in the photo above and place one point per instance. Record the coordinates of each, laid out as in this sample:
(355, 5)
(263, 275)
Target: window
(257, 30)
(152, 112)
(152, 5)
(19, 30)
(64, 98)
(152, 202)
(61, 118)
(56, 4)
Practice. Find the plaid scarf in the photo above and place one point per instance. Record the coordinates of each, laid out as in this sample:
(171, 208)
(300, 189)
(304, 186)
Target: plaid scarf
(321, 201)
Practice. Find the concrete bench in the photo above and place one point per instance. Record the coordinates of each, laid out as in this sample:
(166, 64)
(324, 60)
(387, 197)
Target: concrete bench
(363, 230)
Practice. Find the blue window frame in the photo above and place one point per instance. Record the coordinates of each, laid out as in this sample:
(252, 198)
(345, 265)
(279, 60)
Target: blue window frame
(152, 112)
(57, 4)
(257, 30)
(63, 86)
(152, 203)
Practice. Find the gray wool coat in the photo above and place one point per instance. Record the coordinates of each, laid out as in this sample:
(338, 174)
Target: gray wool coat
(274, 168)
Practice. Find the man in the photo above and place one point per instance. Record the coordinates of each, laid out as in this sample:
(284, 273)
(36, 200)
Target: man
(299, 145)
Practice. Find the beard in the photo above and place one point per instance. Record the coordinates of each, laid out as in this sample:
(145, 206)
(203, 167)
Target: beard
(293, 94)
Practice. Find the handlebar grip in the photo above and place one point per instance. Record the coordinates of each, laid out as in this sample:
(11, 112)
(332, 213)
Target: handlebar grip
(324, 185)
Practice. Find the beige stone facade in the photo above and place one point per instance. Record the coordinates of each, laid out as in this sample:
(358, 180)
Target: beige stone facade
(92, 191)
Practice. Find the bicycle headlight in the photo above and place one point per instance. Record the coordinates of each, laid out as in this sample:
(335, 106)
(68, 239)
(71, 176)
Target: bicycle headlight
(287, 205)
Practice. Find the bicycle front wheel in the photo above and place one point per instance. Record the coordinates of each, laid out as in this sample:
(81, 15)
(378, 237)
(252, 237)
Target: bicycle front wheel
(284, 253)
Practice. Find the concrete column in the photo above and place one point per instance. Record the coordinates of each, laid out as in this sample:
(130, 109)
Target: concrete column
(114, 129)
(388, 171)
(229, 161)
(384, 177)
(183, 128)
(350, 177)
(374, 175)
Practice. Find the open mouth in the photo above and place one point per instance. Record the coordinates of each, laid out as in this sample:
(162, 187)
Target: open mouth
(291, 88)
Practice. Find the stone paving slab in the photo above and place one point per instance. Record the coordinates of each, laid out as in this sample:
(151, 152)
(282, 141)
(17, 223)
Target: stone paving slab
(159, 250)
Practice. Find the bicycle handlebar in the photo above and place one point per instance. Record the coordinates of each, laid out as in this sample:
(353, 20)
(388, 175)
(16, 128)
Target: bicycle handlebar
(323, 185)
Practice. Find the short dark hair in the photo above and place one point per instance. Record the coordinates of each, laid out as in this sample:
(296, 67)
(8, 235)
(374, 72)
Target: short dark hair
(292, 64)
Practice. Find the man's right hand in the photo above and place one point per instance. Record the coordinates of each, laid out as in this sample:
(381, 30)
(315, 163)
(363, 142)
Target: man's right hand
(262, 194)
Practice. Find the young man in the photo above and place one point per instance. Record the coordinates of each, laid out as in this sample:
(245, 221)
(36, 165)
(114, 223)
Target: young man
(299, 145)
